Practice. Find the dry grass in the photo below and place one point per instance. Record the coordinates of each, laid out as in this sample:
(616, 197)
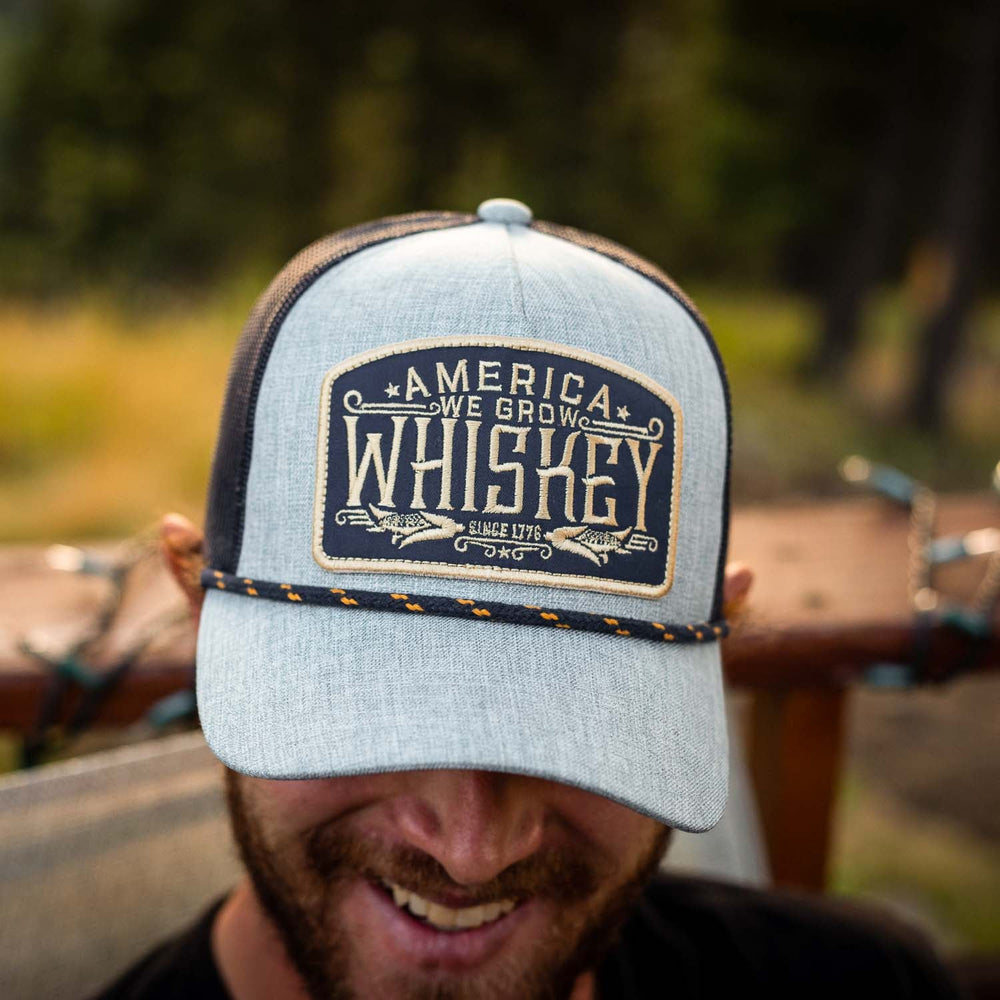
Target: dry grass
(790, 435)
(928, 870)
(107, 417)
(105, 420)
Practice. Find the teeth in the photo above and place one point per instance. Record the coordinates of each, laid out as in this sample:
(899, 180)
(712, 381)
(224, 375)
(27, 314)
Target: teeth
(441, 916)
(444, 917)
(471, 916)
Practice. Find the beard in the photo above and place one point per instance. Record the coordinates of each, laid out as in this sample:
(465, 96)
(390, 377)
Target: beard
(301, 883)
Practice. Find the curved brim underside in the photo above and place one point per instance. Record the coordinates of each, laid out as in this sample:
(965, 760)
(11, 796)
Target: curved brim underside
(295, 691)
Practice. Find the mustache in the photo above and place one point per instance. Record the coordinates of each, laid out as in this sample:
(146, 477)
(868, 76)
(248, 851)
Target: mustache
(561, 875)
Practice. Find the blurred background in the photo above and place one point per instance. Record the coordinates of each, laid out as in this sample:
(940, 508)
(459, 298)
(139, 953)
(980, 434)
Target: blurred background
(820, 175)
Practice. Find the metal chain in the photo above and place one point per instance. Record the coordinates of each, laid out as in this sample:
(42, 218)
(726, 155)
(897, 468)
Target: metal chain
(923, 510)
(987, 594)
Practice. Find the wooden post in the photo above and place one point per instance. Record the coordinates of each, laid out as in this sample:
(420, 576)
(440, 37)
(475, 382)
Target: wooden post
(795, 739)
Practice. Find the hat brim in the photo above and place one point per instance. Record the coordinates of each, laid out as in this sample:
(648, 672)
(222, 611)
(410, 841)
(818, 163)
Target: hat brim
(299, 691)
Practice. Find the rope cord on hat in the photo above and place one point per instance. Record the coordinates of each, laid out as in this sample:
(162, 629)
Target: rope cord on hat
(467, 608)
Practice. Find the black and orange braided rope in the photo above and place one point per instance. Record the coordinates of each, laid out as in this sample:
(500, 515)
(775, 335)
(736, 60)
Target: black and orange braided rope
(466, 607)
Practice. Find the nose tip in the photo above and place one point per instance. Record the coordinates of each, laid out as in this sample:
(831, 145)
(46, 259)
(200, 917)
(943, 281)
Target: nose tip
(475, 824)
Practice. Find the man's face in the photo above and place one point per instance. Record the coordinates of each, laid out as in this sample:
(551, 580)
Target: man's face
(363, 876)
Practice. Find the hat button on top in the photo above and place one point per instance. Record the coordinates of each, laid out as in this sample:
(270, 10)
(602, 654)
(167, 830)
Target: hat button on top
(505, 210)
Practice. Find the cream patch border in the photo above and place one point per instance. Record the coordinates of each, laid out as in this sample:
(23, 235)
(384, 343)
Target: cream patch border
(468, 571)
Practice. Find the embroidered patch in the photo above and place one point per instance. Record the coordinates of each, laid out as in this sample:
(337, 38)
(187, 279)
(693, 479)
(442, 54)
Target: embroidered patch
(498, 458)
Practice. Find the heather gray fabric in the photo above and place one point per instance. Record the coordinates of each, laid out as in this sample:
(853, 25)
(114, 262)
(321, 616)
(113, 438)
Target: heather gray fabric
(298, 691)
(104, 856)
(315, 691)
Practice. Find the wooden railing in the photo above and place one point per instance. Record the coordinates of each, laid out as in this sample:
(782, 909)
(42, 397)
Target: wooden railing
(829, 602)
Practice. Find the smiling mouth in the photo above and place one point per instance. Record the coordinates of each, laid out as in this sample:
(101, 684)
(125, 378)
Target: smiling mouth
(444, 918)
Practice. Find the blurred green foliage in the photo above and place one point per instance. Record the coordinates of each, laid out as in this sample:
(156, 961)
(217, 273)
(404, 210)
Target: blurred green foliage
(927, 869)
(148, 143)
(155, 157)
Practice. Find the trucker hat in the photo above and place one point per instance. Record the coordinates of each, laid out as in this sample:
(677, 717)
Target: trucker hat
(468, 509)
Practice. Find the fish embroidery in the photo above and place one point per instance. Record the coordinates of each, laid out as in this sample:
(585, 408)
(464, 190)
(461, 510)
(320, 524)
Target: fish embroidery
(591, 543)
(414, 527)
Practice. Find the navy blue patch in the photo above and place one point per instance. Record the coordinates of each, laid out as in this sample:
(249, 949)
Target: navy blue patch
(499, 458)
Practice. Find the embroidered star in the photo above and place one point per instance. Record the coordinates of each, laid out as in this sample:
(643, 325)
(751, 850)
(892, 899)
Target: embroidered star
(623, 413)
(504, 552)
(392, 390)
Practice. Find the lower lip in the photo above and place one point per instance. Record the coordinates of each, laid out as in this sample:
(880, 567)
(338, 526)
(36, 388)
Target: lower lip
(417, 943)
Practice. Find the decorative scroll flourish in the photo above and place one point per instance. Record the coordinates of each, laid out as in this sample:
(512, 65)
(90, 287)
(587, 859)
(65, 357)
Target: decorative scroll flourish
(356, 517)
(354, 403)
(653, 431)
(503, 548)
(638, 542)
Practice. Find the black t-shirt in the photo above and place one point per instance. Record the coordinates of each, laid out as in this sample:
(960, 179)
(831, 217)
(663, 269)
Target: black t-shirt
(687, 938)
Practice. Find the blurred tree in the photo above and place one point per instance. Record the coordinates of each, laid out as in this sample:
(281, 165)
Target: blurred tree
(161, 141)
(864, 247)
(891, 108)
(150, 143)
(147, 144)
(960, 222)
(810, 80)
